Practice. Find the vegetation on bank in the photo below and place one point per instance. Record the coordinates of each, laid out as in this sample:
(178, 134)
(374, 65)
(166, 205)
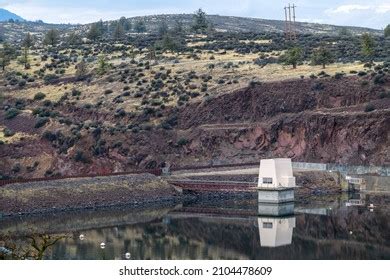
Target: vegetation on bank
(76, 89)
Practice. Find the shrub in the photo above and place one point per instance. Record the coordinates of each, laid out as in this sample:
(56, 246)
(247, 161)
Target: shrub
(49, 136)
(22, 83)
(379, 79)
(50, 78)
(8, 132)
(120, 113)
(318, 86)
(76, 92)
(41, 122)
(39, 96)
(362, 73)
(252, 84)
(182, 142)
(11, 113)
(369, 108)
(338, 75)
(16, 168)
(47, 103)
(384, 95)
(80, 157)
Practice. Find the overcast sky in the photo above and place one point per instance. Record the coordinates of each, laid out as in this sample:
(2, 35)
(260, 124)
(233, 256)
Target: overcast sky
(373, 13)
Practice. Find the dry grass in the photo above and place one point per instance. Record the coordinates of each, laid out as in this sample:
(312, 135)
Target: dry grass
(17, 137)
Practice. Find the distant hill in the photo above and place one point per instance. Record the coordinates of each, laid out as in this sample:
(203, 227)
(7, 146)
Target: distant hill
(257, 25)
(16, 31)
(6, 15)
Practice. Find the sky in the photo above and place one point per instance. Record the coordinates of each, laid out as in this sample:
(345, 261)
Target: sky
(373, 13)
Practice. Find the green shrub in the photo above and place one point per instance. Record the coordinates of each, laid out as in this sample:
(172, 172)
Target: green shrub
(50, 79)
(11, 113)
(41, 122)
(369, 108)
(22, 83)
(8, 132)
(80, 157)
(76, 92)
(49, 136)
(39, 96)
(182, 142)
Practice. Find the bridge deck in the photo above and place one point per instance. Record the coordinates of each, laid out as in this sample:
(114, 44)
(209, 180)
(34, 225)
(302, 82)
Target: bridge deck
(199, 185)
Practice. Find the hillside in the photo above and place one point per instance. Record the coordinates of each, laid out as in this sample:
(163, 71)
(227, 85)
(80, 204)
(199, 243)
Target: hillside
(16, 31)
(6, 15)
(117, 104)
(241, 24)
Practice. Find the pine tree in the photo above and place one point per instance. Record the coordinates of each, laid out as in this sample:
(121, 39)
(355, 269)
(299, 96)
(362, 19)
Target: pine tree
(368, 45)
(322, 56)
(293, 56)
(81, 70)
(94, 32)
(73, 39)
(126, 24)
(7, 53)
(178, 29)
(140, 26)
(52, 37)
(387, 31)
(24, 58)
(28, 41)
(103, 66)
(345, 32)
(200, 24)
(163, 28)
(119, 31)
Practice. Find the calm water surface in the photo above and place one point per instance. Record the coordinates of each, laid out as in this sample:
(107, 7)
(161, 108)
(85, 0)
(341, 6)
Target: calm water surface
(340, 227)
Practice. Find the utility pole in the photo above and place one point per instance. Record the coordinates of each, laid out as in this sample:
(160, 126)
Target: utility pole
(294, 26)
(286, 30)
(290, 22)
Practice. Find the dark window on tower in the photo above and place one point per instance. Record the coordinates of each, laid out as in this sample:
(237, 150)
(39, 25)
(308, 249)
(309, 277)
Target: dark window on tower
(267, 225)
(267, 180)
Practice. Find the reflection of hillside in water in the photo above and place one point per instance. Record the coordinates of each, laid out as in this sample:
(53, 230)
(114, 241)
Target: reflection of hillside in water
(204, 231)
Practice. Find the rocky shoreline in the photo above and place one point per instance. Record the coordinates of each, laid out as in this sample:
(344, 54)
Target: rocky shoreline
(85, 193)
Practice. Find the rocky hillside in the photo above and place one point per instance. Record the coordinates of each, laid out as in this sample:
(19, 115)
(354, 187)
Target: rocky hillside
(343, 120)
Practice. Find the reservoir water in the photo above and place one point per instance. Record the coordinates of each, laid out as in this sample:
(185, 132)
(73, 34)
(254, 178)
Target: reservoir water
(326, 227)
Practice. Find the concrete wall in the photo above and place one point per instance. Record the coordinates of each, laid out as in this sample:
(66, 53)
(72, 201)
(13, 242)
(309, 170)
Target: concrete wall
(346, 169)
(265, 196)
(309, 166)
(359, 170)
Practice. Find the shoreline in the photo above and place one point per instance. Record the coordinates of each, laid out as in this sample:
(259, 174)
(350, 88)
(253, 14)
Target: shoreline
(70, 195)
(134, 191)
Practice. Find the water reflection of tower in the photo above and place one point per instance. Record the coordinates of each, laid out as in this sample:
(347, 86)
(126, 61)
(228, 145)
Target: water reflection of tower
(276, 231)
(276, 219)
